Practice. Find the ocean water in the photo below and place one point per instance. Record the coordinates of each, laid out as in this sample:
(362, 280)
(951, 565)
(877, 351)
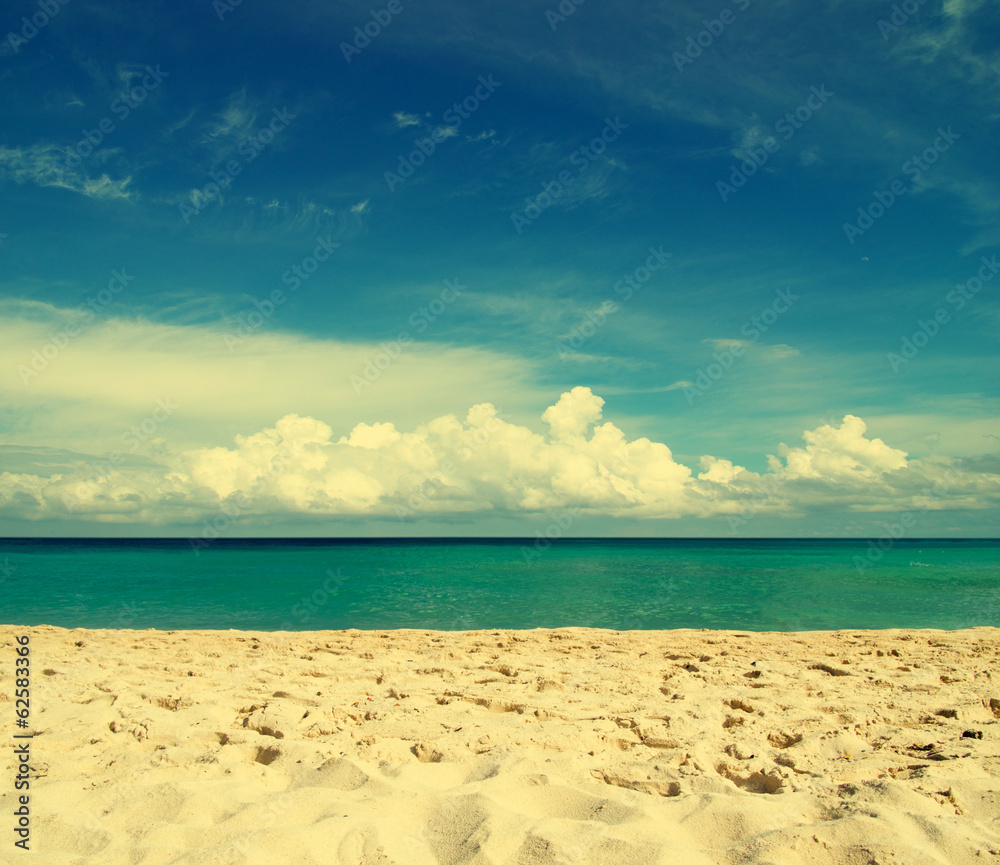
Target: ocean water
(753, 585)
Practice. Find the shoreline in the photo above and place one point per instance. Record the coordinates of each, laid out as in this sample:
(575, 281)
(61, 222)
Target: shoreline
(5, 626)
(539, 746)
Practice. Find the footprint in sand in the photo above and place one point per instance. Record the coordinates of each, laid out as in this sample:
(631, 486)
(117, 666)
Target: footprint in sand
(784, 740)
(754, 782)
(266, 755)
(826, 668)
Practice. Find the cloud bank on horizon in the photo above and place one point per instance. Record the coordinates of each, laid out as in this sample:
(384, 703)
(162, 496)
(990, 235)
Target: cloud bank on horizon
(451, 466)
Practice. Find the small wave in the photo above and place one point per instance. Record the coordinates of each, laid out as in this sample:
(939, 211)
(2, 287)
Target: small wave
(921, 564)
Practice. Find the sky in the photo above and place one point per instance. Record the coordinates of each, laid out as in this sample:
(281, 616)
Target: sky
(430, 268)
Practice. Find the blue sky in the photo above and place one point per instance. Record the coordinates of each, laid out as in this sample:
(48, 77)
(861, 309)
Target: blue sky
(722, 229)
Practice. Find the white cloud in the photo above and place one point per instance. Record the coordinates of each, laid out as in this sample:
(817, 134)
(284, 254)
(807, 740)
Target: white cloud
(235, 122)
(841, 454)
(750, 137)
(719, 471)
(728, 344)
(109, 376)
(180, 124)
(485, 135)
(485, 464)
(779, 351)
(336, 452)
(403, 119)
(575, 412)
(45, 165)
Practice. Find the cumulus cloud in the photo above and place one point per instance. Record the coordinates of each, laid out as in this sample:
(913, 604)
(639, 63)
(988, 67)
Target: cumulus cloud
(839, 454)
(574, 413)
(483, 463)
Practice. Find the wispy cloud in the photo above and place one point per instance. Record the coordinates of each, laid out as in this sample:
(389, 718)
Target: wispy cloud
(235, 121)
(724, 344)
(485, 135)
(780, 351)
(43, 164)
(180, 124)
(403, 119)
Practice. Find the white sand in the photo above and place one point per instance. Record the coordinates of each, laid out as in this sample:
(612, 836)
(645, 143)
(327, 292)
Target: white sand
(545, 746)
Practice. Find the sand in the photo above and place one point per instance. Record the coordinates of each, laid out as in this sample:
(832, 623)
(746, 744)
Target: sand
(545, 746)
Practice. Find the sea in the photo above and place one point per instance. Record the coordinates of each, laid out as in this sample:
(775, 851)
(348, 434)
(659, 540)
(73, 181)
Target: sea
(471, 584)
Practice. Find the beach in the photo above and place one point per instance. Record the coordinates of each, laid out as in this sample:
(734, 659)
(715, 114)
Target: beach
(571, 745)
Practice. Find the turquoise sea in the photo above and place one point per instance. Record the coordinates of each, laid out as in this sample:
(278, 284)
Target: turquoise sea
(462, 584)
